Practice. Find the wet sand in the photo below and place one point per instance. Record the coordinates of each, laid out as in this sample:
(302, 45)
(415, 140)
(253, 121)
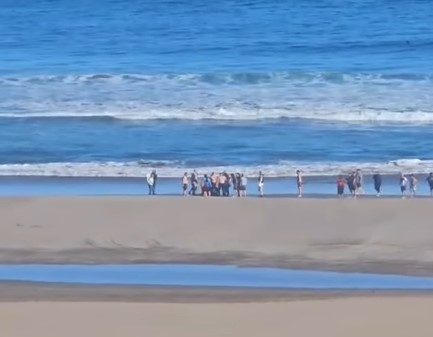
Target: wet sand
(55, 292)
(385, 236)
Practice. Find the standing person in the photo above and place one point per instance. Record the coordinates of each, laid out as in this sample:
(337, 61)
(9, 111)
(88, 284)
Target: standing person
(227, 184)
(412, 185)
(243, 187)
(299, 183)
(185, 184)
(261, 183)
(213, 178)
(358, 183)
(430, 182)
(341, 182)
(194, 183)
(217, 185)
(155, 177)
(351, 183)
(238, 183)
(403, 185)
(222, 184)
(234, 183)
(377, 179)
(206, 186)
(150, 182)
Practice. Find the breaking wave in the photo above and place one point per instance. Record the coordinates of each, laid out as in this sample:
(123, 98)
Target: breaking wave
(176, 169)
(220, 78)
(335, 97)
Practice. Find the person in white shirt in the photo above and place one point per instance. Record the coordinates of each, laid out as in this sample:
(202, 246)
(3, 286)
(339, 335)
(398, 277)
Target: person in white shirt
(261, 183)
(299, 183)
(413, 184)
(185, 184)
(150, 183)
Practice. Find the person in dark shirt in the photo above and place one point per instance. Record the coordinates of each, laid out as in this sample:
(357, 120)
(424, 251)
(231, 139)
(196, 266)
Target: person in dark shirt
(358, 181)
(430, 182)
(350, 180)
(155, 177)
(238, 183)
(226, 184)
(234, 183)
(377, 179)
(194, 183)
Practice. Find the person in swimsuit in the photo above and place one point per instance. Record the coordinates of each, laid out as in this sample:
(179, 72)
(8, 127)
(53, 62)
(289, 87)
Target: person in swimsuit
(213, 179)
(299, 183)
(412, 185)
(403, 185)
(377, 179)
(185, 184)
(430, 182)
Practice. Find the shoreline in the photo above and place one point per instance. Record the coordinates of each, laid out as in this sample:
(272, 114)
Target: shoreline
(313, 178)
(314, 187)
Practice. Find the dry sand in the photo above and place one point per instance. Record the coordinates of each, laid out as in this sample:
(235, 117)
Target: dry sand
(362, 235)
(389, 235)
(340, 317)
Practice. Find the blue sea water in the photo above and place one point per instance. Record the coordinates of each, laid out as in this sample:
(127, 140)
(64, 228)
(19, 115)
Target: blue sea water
(115, 87)
(208, 276)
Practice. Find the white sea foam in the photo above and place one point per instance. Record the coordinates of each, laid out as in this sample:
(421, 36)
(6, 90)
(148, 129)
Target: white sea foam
(223, 114)
(176, 169)
(331, 97)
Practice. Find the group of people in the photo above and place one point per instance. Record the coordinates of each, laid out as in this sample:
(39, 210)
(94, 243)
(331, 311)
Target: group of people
(219, 184)
(235, 184)
(354, 181)
(216, 184)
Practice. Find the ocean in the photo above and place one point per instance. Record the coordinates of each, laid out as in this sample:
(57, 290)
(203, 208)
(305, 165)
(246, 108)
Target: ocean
(113, 88)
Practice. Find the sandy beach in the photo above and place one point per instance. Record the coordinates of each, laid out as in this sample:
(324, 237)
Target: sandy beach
(386, 236)
(357, 317)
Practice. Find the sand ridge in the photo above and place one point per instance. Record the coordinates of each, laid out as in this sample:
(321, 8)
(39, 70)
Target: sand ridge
(389, 235)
